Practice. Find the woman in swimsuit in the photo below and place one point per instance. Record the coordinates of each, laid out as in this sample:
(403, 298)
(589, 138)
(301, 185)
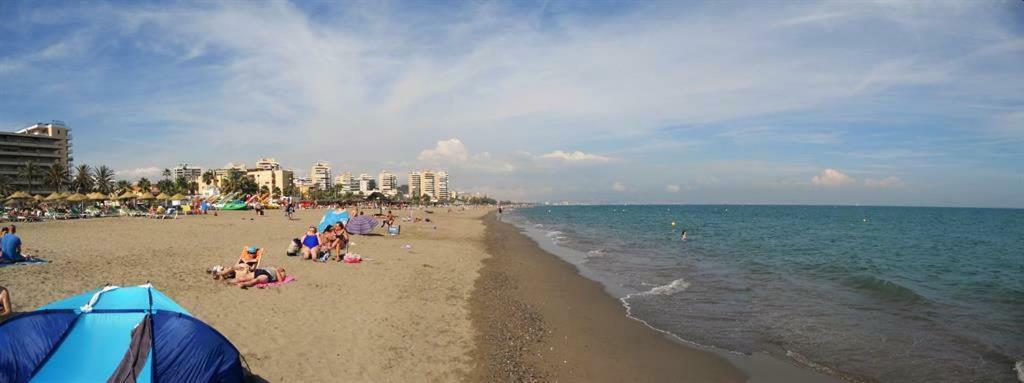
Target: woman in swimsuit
(311, 243)
(264, 275)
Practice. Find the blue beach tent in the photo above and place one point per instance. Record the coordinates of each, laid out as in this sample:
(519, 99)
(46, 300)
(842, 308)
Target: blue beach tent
(332, 217)
(115, 334)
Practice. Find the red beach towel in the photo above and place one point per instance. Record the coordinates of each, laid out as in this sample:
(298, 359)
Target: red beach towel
(288, 279)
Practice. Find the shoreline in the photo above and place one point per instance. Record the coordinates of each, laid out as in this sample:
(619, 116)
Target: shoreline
(538, 318)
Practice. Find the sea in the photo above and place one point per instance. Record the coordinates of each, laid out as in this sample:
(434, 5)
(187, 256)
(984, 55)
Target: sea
(887, 294)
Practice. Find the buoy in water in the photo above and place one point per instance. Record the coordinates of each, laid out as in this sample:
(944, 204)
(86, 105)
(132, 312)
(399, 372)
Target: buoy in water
(673, 223)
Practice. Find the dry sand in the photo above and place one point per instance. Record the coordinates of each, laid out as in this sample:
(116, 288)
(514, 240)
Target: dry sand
(401, 317)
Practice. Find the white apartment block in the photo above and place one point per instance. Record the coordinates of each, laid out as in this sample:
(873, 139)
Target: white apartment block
(320, 175)
(388, 183)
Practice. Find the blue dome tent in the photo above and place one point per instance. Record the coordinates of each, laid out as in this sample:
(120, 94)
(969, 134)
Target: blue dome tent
(115, 334)
(332, 217)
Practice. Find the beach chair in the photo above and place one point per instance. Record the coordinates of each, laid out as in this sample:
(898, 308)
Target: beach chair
(254, 262)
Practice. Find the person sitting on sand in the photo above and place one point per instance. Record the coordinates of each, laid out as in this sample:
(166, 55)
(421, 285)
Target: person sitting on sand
(310, 243)
(264, 275)
(293, 247)
(342, 240)
(5, 302)
(10, 247)
(330, 244)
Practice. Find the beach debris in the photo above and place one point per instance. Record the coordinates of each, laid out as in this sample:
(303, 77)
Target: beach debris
(407, 246)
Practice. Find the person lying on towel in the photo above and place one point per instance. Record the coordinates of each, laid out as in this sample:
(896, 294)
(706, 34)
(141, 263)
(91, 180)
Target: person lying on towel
(264, 275)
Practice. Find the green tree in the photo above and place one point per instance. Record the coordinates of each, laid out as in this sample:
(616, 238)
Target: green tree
(290, 190)
(122, 186)
(166, 186)
(208, 177)
(82, 181)
(167, 174)
(30, 172)
(276, 193)
(232, 181)
(57, 177)
(248, 185)
(264, 190)
(5, 185)
(180, 185)
(103, 179)
(193, 188)
(144, 184)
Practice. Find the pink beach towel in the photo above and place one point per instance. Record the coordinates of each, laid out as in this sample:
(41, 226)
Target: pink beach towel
(288, 279)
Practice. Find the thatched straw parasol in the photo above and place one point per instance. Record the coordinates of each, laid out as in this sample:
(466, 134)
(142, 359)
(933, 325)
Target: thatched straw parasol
(163, 197)
(20, 195)
(39, 197)
(76, 198)
(144, 196)
(127, 195)
(97, 196)
(65, 194)
(54, 197)
(178, 197)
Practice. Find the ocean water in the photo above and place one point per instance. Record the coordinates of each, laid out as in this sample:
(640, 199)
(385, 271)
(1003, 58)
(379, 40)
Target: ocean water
(888, 294)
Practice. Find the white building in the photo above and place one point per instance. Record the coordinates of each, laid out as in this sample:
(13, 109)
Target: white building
(190, 173)
(268, 163)
(367, 184)
(388, 183)
(429, 183)
(320, 175)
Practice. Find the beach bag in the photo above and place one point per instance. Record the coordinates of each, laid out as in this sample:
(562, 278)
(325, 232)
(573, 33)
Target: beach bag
(352, 258)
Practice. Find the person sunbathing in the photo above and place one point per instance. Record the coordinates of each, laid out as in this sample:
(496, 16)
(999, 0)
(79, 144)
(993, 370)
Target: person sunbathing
(311, 243)
(264, 275)
(342, 241)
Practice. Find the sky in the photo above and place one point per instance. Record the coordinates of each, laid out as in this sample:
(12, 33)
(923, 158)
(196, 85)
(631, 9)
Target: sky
(773, 102)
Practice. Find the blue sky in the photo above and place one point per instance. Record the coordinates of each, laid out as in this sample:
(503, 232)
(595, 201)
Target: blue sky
(870, 102)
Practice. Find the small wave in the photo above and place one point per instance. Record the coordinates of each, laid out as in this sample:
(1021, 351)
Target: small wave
(885, 289)
(664, 290)
(538, 225)
(597, 253)
(1019, 366)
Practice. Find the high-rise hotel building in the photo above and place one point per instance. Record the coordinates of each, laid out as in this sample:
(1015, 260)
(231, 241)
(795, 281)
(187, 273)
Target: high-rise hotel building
(429, 183)
(320, 175)
(43, 144)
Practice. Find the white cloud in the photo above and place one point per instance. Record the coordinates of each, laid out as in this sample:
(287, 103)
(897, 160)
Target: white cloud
(832, 178)
(150, 171)
(576, 156)
(884, 183)
(450, 151)
(672, 188)
(618, 186)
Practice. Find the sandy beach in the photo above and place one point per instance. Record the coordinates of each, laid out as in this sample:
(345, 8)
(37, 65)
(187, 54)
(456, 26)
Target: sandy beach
(402, 316)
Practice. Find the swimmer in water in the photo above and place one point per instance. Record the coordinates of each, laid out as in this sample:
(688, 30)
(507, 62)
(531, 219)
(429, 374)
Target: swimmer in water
(683, 235)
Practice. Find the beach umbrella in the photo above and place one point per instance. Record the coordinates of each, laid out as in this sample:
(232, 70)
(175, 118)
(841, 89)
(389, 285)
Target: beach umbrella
(332, 217)
(54, 197)
(96, 196)
(362, 224)
(65, 194)
(127, 195)
(116, 334)
(144, 196)
(38, 197)
(178, 197)
(19, 195)
(76, 198)
(163, 197)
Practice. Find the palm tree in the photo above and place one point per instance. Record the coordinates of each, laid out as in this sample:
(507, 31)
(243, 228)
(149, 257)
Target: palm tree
(193, 188)
(104, 179)
(232, 182)
(122, 186)
(276, 193)
(167, 174)
(57, 177)
(208, 177)
(181, 184)
(264, 189)
(5, 185)
(30, 173)
(144, 184)
(82, 181)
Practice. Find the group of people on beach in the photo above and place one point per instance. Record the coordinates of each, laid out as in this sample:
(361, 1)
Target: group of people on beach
(331, 244)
